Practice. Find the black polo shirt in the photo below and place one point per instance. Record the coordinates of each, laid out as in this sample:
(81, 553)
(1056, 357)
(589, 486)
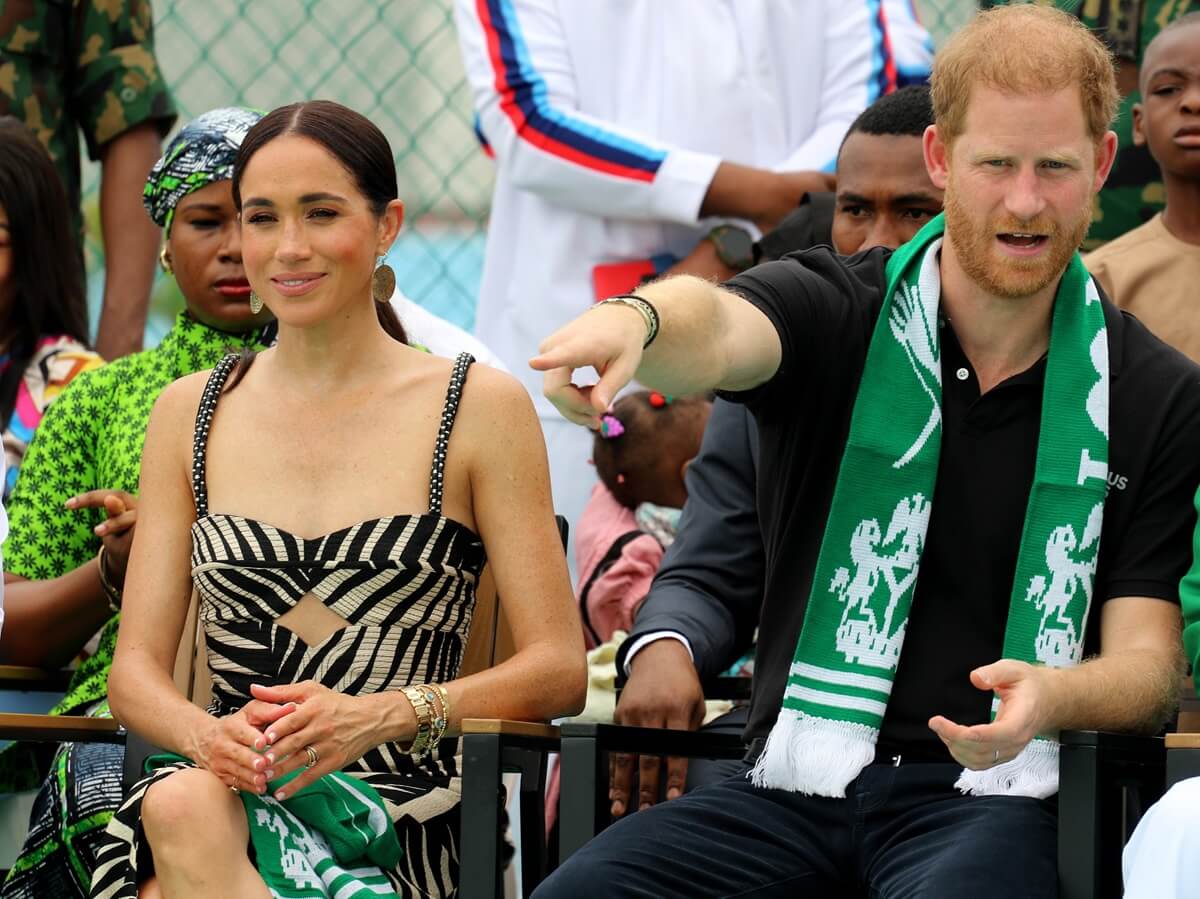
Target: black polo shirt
(825, 309)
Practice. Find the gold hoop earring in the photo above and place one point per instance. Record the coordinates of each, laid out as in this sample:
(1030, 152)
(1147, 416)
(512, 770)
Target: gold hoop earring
(383, 283)
(165, 261)
(256, 303)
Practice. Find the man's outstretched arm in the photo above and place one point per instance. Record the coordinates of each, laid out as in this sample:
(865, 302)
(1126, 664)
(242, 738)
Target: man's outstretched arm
(708, 338)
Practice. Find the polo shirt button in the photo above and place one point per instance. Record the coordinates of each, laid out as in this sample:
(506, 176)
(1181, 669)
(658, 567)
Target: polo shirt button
(962, 374)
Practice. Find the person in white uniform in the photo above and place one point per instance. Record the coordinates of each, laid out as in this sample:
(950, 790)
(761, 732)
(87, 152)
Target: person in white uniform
(439, 336)
(624, 133)
(1162, 858)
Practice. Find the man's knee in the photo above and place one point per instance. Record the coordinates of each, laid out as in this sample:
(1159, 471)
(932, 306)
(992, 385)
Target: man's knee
(579, 877)
(174, 805)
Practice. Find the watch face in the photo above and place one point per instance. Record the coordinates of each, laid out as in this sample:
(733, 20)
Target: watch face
(734, 246)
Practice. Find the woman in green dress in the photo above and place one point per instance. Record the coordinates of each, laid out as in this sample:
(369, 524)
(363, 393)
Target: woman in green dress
(74, 510)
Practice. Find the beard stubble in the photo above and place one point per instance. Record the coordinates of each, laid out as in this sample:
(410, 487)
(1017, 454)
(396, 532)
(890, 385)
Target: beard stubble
(1013, 278)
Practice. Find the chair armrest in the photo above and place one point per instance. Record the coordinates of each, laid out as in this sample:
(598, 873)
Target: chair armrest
(60, 728)
(583, 808)
(1105, 782)
(1183, 741)
(732, 689)
(24, 677)
(509, 728)
(534, 735)
(1116, 747)
(1183, 757)
(491, 746)
(657, 741)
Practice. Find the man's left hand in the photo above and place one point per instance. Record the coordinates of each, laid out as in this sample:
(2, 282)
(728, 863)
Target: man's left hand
(1024, 696)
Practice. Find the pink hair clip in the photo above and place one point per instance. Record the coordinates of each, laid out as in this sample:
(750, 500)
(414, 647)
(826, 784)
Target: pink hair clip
(611, 427)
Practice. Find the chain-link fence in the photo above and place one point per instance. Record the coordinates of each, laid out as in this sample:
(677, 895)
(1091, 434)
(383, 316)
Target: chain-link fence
(397, 62)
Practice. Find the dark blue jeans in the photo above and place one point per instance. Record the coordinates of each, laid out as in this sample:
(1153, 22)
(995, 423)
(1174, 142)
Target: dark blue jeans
(901, 833)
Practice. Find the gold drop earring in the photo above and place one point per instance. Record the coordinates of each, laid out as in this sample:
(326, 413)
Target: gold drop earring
(165, 261)
(383, 283)
(256, 303)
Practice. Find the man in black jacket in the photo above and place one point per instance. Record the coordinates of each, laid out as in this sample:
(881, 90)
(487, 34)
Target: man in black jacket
(701, 613)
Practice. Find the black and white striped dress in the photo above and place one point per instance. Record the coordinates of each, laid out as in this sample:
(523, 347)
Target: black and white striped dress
(406, 586)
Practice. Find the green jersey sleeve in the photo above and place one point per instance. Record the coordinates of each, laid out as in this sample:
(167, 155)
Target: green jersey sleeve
(45, 539)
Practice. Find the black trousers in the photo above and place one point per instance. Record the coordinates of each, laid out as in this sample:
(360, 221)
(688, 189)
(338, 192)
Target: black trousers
(901, 833)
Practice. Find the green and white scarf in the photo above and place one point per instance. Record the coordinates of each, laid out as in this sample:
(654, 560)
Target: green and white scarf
(332, 839)
(862, 590)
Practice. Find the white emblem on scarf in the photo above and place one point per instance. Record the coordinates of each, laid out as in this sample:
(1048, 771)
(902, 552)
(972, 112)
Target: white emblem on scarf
(861, 637)
(914, 322)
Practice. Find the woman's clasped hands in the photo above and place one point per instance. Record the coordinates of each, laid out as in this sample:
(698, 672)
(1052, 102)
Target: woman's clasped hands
(326, 730)
(234, 747)
(306, 727)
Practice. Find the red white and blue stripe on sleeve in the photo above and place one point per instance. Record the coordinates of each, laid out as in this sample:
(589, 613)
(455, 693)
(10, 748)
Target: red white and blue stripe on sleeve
(525, 102)
(882, 79)
(524, 98)
(883, 76)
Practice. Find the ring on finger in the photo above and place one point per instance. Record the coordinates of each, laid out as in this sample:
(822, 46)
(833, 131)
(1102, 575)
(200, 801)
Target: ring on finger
(996, 757)
(313, 757)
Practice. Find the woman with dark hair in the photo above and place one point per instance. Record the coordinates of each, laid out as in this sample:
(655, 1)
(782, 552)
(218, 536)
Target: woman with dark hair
(43, 300)
(333, 505)
(74, 511)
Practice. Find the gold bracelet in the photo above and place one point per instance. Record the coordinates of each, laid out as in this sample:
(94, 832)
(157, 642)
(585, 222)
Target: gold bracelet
(111, 593)
(437, 693)
(420, 744)
(444, 698)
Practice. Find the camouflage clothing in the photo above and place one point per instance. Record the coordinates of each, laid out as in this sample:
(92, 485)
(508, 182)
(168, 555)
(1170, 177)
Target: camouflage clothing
(71, 66)
(1134, 192)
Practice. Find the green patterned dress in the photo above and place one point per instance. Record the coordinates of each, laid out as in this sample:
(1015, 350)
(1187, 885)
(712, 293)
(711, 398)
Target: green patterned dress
(91, 438)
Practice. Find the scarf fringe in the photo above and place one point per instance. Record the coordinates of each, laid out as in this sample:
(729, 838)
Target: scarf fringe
(1033, 773)
(814, 756)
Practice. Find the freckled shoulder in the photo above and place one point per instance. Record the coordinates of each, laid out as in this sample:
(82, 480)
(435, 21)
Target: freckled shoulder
(181, 397)
(176, 407)
(493, 398)
(496, 414)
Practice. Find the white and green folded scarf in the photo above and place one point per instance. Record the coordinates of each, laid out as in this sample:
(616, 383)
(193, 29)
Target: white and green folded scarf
(862, 590)
(332, 839)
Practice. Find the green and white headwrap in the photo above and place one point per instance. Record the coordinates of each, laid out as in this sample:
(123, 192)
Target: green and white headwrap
(853, 632)
(202, 152)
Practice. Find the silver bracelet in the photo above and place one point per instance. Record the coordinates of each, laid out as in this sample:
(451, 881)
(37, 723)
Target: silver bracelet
(642, 305)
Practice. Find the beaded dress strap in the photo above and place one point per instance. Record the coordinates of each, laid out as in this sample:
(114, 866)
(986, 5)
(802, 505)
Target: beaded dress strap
(453, 394)
(208, 405)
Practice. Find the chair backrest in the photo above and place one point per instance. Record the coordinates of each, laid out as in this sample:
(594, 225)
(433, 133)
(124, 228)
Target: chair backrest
(490, 641)
(191, 661)
(1189, 709)
(481, 650)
